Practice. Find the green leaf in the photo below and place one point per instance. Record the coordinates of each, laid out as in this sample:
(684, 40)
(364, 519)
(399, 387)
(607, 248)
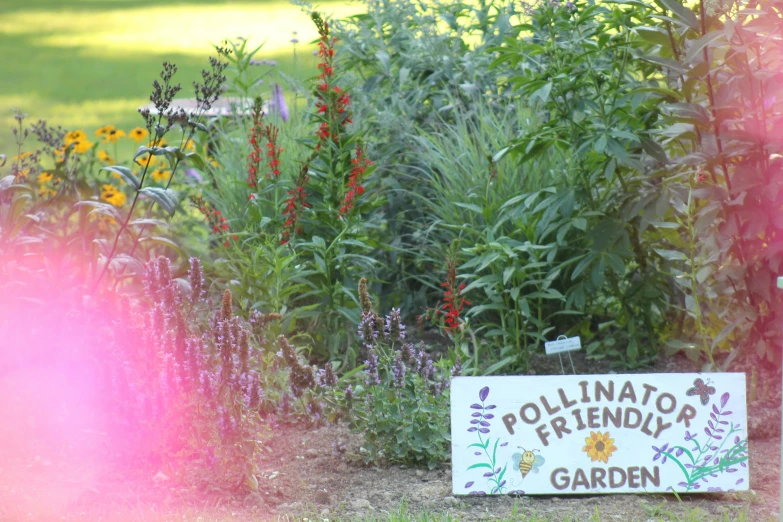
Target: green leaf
(655, 35)
(698, 46)
(500, 365)
(725, 332)
(6, 182)
(166, 198)
(599, 145)
(672, 65)
(126, 175)
(319, 242)
(671, 255)
(682, 13)
(541, 93)
(155, 151)
(468, 206)
(162, 241)
(100, 207)
(196, 160)
(149, 222)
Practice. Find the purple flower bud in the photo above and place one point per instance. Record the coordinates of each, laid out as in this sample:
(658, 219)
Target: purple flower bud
(456, 370)
(278, 102)
(483, 393)
(393, 328)
(193, 173)
(371, 369)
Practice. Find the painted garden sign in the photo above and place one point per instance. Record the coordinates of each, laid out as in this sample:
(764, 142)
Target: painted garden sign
(572, 434)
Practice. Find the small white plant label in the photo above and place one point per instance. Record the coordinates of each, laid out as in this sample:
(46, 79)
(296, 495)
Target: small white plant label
(563, 345)
(577, 434)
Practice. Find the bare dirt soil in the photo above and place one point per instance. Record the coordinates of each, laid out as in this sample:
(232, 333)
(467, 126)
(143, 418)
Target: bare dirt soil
(304, 474)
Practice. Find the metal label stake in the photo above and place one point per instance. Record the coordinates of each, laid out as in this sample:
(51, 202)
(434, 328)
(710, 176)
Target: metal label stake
(563, 344)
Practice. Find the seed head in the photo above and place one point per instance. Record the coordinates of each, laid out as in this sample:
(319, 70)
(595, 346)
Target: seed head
(364, 296)
(226, 308)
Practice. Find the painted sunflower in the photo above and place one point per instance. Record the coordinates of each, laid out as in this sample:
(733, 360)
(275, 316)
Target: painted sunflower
(599, 446)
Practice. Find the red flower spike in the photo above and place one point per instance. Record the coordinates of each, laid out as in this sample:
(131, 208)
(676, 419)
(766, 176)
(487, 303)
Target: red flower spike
(216, 221)
(331, 102)
(454, 303)
(354, 189)
(293, 207)
(256, 133)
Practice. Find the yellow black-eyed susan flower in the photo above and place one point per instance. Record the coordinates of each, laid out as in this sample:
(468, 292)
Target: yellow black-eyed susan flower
(104, 157)
(103, 131)
(160, 175)
(45, 177)
(147, 161)
(138, 134)
(189, 146)
(79, 141)
(112, 194)
(46, 192)
(113, 135)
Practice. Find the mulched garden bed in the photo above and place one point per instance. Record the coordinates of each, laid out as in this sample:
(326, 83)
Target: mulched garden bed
(319, 474)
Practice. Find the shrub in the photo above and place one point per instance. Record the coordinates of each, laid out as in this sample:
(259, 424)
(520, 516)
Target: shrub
(400, 405)
(414, 69)
(578, 65)
(198, 389)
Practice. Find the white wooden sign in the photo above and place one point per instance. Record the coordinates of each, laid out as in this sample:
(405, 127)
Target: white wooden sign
(563, 345)
(576, 434)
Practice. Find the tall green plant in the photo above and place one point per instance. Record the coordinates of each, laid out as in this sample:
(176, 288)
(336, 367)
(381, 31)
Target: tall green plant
(577, 65)
(721, 89)
(307, 194)
(510, 221)
(415, 66)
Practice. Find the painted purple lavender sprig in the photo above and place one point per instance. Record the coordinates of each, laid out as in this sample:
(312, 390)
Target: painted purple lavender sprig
(480, 425)
(708, 459)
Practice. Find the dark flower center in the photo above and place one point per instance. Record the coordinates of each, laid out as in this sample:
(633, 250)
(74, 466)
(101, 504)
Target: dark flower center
(599, 446)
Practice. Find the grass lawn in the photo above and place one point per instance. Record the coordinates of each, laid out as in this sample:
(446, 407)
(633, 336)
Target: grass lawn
(83, 64)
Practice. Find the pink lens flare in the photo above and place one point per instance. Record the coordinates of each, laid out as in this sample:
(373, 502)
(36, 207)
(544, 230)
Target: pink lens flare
(59, 430)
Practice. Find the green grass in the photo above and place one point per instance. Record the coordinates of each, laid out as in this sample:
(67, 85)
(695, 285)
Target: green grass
(402, 513)
(83, 64)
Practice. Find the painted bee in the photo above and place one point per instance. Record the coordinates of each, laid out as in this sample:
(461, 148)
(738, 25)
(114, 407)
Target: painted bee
(527, 461)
